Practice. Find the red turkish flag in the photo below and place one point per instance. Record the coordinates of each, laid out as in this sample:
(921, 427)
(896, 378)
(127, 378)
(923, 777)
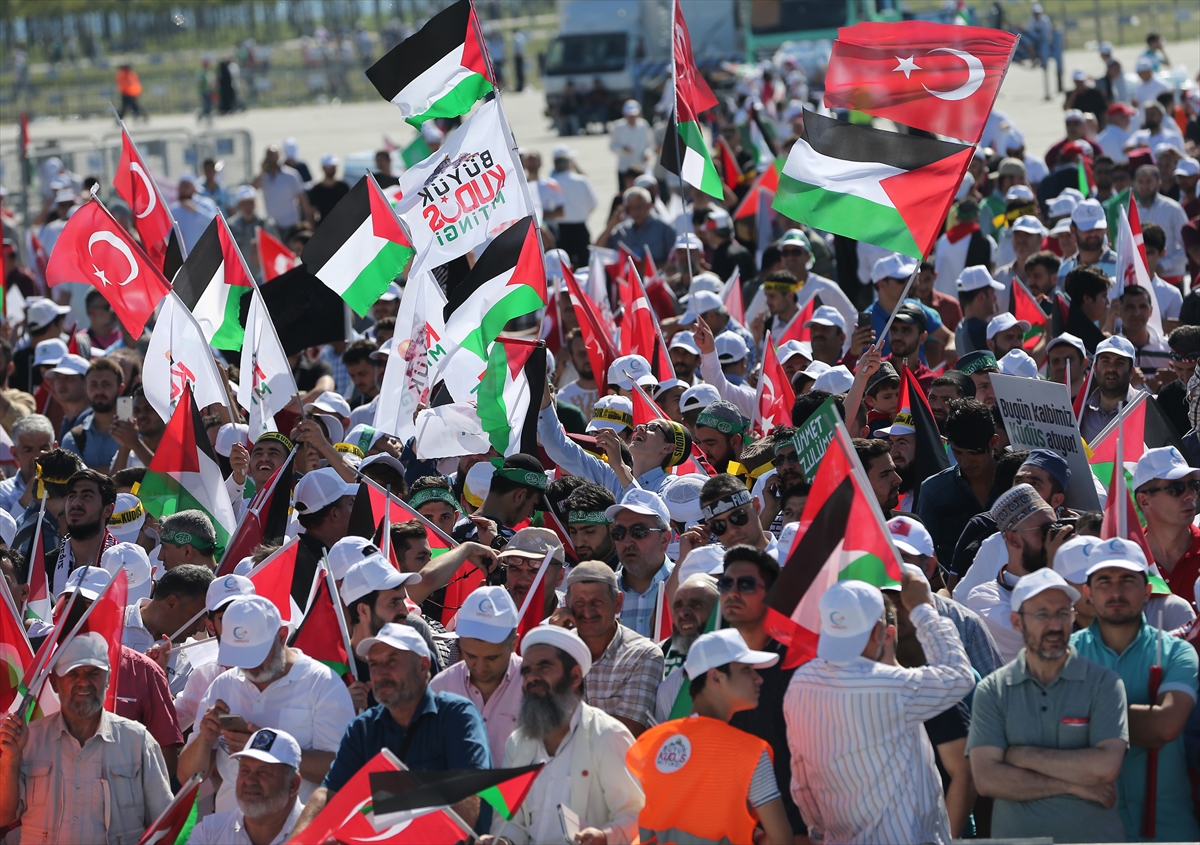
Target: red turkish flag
(692, 94)
(135, 185)
(933, 76)
(274, 257)
(775, 394)
(95, 249)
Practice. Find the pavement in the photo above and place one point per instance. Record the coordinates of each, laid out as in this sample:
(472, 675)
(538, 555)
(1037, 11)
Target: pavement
(356, 127)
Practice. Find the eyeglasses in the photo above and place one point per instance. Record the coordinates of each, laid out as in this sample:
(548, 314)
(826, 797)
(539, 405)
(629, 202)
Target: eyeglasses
(785, 458)
(1175, 488)
(656, 428)
(637, 532)
(745, 585)
(532, 566)
(1189, 357)
(738, 517)
(1042, 617)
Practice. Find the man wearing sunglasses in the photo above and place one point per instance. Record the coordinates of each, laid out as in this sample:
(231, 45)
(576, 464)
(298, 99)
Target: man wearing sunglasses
(641, 531)
(731, 515)
(1166, 490)
(1032, 536)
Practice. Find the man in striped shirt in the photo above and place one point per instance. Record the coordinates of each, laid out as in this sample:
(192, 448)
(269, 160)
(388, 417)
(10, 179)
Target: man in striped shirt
(863, 770)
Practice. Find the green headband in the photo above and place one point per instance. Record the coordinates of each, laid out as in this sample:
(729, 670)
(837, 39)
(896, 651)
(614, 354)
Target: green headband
(278, 437)
(724, 426)
(367, 439)
(524, 477)
(588, 518)
(183, 538)
(432, 494)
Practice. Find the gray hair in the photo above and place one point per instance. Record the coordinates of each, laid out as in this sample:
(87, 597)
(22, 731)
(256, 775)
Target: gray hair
(194, 522)
(637, 192)
(31, 424)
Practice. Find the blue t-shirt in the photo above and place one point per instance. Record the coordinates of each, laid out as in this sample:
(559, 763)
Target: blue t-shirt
(1174, 821)
(879, 318)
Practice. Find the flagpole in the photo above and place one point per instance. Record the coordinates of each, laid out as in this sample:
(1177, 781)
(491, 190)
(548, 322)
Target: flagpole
(537, 580)
(678, 151)
(183, 250)
(12, 606)
(341, 618)
(878, 344)
(37, 538)
(1119, 469)
(409, 509)
(186, 625)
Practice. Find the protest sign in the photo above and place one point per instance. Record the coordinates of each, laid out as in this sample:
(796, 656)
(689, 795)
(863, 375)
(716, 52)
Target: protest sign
(813, 437)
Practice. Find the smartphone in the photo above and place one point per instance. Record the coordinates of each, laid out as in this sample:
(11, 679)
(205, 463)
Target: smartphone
(125, 408)
(864, 318)
(233, 722)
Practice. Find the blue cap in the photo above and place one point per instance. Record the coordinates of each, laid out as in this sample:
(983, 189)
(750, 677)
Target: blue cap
(1053, 463)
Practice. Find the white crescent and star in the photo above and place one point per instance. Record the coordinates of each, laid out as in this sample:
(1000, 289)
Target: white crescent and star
(104, 236)
(975, 74)
(151, 194)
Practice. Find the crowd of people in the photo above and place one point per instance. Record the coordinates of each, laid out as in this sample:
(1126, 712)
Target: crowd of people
(1023, 678)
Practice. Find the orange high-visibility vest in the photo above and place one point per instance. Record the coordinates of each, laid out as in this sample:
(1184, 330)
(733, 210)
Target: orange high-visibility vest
(696, 774)
(128, 83)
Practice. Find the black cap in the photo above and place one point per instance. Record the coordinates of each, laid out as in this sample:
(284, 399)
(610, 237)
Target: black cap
(912, 312)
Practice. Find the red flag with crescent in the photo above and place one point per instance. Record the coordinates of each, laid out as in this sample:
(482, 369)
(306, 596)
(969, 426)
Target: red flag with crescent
(95, 249)
(135, 185)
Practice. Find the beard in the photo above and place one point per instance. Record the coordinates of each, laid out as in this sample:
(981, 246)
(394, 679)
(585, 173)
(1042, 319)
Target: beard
(84, 531)
(908, 478)
(542, 715)
(264, 807)
(272, 668)
(1033, 559)
(683, 642)
(104, 407)
(84, 708)
(393, 693)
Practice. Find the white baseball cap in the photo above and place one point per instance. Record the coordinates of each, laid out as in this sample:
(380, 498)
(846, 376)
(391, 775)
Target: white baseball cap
(42, 312)
(399, 636)
(631, 107)
(911, 536)
(71, 365)
(131, 559)
(330, 403)
(230, 434)
(894, 266)
(346, 552)
(835, 380)
(1164, 464)
(1073, 558)
(976, 278)
(1119, 553)
(1038, 582)
(850, 610)
(1117, 345)
(1089, 216)
(1004, 321)
(816, 369)
(1143, 63)
(321, 488)
(8, 527)
(127, 518)
(685, 341)
(1028, 223)
(700, 302)
(245, 192)
(1072, 114)
(248, 632)
(731, 348)
(720, 648)
(827, 315)
(224, 590)
(1070, 340)
(90, 581)
(706, 560)
(1018, 363)
(1062, 206)
(681, 495)
(272, 746)
(49, 352)
(384, 350)
(488, 614)
(372, 573)
(627, 369)
(1187, 166)
(329, 160)
(560, 638)
(612, 412)
(644, 502)
(803, 348)
(688, 240)
(707, 281)
(698, 396)
(1020, 192)
(84, 649)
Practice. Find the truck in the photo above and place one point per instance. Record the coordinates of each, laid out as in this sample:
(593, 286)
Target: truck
(625, 45)
(773, 23)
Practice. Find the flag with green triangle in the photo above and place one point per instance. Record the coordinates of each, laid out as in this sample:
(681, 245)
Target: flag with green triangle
(510, 394)
(395, 793)
(684, 151)
(211, 284)
(319, 635)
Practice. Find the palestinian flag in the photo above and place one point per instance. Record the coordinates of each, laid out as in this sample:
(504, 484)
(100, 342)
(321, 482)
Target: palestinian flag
(40, 604)
(930, 456)
(878, 187)
(16, 654)
(211, 283)
(684, 151)
(682, 708)
(1026, 308)
(510, 394)
(264, 520)
(441, 71)
(320, 635)
(1144, 427)
(184, 473)
(1112, 211)
(286, 578)
(405, 792)
(533, 609)
(360, 247)
(349, 817)
(1130, 528)
(174, 825)
(826, 550)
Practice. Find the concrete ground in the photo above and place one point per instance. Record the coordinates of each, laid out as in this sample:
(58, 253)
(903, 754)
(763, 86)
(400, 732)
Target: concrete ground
(357, 127)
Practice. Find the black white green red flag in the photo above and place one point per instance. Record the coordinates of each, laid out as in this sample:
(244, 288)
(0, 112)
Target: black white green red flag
(211, 283)
(510, 394)
(684, 150)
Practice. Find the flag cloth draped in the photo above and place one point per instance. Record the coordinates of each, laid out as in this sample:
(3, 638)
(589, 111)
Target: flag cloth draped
(136, 186)
(264, 520)
(510, 394)
(184, 473)
(933, 76)
(360, 248)
(598, 343)
(275, 579)
(883, 188)
(274, 257)
(106, 617)
(211, 283)
(731, 297)
(1132, 267)
(1026, 308)
(319, 635)
(174, 825)
(441, 71)
(178, 356)
(684, 150)
(640, 333)
(400, 792)
(826, 551)
(775, 395)
(40, 603)
(94, 248)
(267, 384)
(16, 654)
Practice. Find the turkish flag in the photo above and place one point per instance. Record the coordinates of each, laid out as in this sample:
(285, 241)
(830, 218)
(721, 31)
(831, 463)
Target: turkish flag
(95, 249)
(135, 185)
(775, 394)
(933, 76)
(275, 258)
(692, 94)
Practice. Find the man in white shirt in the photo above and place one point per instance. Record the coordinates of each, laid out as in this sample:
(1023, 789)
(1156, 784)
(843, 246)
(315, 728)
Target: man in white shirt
(631, 139)
(1150, 87)
(578, 201)
(271, 685)
(863, 769)
(1158, 130)
(268, 795)
(583, 749)
(1120, 126)
(179, 602)
(1153, 207)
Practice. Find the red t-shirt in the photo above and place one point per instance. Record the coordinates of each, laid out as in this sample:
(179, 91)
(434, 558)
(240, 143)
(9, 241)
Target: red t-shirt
(143, 695)
(1182, 579)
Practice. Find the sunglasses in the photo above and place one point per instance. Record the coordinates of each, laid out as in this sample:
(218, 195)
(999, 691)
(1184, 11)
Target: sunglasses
(1189, 357)
(1176, 488)
(738, 517)
(745, 585)
(785, 458)
(637, 532)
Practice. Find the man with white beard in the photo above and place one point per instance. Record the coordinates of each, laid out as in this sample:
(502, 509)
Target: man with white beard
(582, 746)
(268, 794)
